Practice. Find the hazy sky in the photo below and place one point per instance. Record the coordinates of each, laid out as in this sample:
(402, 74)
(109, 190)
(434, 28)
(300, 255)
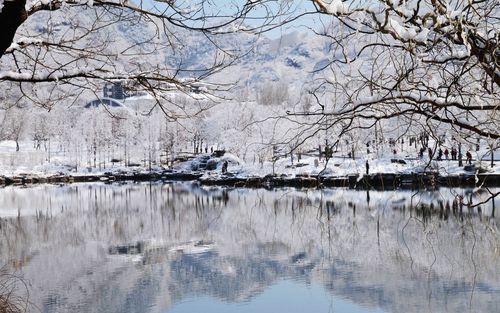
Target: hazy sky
(298, 7)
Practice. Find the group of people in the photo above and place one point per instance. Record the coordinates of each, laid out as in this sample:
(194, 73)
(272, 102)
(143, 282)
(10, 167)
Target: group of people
(455, 154)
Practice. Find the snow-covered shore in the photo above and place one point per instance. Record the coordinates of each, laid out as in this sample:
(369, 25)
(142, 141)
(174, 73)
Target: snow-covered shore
(395, 176)
(29, 166)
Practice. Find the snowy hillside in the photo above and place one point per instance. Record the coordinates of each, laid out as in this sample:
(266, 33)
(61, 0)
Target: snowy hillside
(290, 59)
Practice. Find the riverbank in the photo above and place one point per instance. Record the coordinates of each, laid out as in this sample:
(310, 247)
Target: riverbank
(225, 169)
(379, 181)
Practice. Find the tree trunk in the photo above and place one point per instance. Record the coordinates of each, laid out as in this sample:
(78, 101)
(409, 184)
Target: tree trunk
(12, 15)
(492, 158)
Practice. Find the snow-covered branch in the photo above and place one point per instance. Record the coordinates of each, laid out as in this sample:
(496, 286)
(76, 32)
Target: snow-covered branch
(420, 60)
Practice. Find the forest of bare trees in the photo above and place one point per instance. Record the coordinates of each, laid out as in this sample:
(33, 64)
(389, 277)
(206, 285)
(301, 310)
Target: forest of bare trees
(430, 65)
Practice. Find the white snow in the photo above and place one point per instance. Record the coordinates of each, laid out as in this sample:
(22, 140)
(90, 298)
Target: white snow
(32, 162)
(335, 7)
(405, 33)
(192, 248)
(423, 35)
(22, 42)
(15, 75)
(441, 19)
(453, 15)
(11, 75)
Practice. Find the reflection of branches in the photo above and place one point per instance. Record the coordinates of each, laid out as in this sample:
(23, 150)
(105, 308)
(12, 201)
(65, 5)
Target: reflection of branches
(492, 196)
(406, 245)
(428, 233)
(473, 263)
(403, 235)
(319, 216)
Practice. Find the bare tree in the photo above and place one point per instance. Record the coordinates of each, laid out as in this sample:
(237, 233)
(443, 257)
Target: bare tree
(429, 63)
(77, 48)
(12, 126)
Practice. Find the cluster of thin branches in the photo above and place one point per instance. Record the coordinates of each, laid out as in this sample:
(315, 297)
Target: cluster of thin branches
(10, 299)
(78, 51)
(431, 66)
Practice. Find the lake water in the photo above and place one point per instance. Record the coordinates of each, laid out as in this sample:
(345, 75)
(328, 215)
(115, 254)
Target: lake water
(175, 248)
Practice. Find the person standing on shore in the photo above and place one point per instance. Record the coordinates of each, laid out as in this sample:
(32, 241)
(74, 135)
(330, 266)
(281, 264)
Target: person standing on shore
(469, 157)
(367, 167)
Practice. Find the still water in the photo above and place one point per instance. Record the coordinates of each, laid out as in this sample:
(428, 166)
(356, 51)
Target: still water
(175, 248)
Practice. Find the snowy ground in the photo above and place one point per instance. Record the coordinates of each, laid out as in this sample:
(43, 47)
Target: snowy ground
(46, 162)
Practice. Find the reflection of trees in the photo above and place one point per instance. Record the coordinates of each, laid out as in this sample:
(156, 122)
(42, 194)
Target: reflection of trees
(396, 249)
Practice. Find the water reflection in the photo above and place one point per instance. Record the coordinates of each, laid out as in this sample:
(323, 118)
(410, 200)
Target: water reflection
(162, 248)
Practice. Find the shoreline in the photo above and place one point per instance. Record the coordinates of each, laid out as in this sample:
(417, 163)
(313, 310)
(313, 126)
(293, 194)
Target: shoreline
(380, 181)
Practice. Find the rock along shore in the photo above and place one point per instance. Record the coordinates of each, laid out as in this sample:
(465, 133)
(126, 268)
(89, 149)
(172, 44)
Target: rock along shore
(429, 180)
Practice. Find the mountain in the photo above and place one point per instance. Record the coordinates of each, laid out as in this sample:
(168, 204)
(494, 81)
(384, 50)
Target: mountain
(134, 44)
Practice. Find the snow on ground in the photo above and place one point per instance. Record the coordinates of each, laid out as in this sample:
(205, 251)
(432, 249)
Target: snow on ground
(343, 166)
(44, 162)
(52, 160)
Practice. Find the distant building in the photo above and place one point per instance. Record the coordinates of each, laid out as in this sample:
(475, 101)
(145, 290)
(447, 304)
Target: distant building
(113, 95)
(114, 91)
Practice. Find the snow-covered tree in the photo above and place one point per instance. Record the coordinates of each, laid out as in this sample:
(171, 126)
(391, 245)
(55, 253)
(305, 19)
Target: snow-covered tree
(12, 126)
(58, 50)
(273, 93)
(429, 63)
